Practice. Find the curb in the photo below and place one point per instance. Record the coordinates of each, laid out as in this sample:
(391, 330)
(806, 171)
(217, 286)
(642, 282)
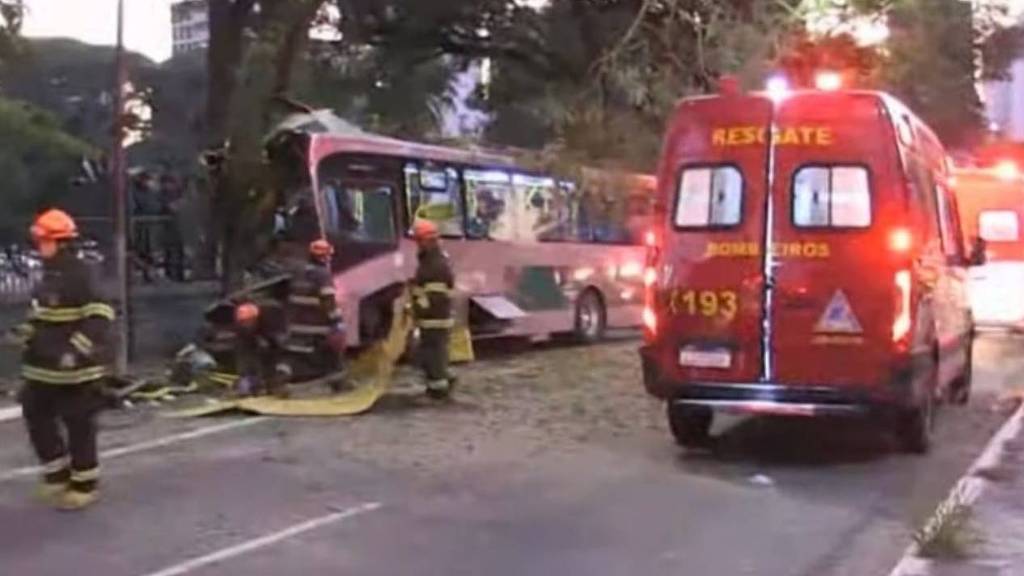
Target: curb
(967, 490)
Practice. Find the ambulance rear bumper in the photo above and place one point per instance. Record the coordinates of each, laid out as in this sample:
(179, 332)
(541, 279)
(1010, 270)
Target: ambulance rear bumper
(779, 398)
(772, 399)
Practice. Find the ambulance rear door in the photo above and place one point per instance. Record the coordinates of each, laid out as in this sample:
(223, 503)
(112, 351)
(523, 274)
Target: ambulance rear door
(714, 177)
(837, 194)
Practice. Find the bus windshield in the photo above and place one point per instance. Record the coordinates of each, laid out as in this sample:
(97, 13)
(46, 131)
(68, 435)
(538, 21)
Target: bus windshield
(359, 199)
(359, 212)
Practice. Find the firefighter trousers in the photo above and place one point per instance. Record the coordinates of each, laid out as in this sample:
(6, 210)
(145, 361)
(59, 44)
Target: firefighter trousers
(68, 455)
(433, 357)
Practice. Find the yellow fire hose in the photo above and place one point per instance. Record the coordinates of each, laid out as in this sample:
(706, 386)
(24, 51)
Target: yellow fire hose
(371, 372)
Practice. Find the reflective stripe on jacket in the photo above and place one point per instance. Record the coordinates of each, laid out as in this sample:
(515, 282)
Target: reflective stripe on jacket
(313, 312)
(432, 290)
(68, 326)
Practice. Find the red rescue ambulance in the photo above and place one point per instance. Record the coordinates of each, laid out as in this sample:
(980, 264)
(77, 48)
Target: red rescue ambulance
(991, 203)
(807, 261)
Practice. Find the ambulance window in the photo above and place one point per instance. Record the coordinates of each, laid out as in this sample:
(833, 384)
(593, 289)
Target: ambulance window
(832, 196)
(999, 226)
(710, 197)
(948, 227)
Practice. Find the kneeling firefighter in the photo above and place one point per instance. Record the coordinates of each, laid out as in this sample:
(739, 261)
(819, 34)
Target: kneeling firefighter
(316, 330)
(66, 359)
(261, 333)
(432, 306)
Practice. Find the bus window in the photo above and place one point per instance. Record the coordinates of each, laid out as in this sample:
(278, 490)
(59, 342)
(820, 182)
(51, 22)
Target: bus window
(434, 194)
(831, 196)
(545, 210)
(999, 226)
(489, 199)
(360, 212)
(709, 197)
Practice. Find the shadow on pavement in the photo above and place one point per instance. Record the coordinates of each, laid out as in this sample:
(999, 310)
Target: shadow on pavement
(800, 442)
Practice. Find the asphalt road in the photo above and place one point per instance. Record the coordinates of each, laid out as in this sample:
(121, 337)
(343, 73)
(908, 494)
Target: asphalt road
(551, 461)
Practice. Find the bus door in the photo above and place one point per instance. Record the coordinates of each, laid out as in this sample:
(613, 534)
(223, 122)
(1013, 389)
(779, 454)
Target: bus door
(714, 178)
(830, 306)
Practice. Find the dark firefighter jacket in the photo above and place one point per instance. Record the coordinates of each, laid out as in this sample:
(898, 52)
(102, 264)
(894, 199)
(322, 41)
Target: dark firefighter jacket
(312, 309)
(260, 347)
(67, 333)
(432, 290)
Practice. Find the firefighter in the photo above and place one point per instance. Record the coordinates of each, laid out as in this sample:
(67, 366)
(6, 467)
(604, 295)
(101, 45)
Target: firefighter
(66, 359)
(316, 330)
(261, 333)
(432, 306)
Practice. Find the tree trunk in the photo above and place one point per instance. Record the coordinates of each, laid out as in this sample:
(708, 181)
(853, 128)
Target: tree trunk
(246, 193)
(223, 59)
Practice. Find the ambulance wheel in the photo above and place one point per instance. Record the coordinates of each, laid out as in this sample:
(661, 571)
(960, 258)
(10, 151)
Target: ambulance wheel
(960, 392)
(915, 427)
(690, 425)
(591, 319)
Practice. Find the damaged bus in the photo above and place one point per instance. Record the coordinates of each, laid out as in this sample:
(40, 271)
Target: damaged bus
(534, 255)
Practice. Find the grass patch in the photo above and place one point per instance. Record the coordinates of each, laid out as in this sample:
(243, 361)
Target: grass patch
(950, 534)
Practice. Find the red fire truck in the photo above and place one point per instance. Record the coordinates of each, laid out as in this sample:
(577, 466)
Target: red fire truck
(807, 261)
(991, 203)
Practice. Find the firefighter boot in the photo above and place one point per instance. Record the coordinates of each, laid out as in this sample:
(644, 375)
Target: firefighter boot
(50, 493)
(72, 500)
(440, 389)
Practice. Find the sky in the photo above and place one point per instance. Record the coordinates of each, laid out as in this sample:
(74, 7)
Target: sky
(147, 23)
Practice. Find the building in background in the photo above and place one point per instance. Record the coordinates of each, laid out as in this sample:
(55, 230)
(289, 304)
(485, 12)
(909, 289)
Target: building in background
(190, 24)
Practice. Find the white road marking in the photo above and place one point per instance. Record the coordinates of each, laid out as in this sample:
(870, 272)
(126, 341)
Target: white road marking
(10, 413)
(264, 541)
(147, 445)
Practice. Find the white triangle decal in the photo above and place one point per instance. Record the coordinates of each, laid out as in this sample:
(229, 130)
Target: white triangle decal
(838, 317)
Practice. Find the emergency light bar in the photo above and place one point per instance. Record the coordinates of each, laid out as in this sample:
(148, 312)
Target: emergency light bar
(828, 81)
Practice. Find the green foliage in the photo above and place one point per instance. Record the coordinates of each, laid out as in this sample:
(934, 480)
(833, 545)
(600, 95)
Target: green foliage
(625, 63)
(378, 90)
(73, 81)
(38, 161)
(931, 66)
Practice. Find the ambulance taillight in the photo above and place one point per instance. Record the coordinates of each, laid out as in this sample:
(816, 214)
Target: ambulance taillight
(650, 317)
(650, 322)
(901, 240)
(902, 321)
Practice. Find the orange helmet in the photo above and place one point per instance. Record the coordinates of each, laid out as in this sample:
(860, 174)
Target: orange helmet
(54, 225)
(246, 313)
(321, 248)
(424, 230)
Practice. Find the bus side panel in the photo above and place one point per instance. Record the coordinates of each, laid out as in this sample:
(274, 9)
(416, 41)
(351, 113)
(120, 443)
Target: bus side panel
(834, 305)
(709, 303)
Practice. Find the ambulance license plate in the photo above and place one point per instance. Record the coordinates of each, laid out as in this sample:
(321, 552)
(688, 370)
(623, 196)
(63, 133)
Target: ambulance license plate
(705, 358)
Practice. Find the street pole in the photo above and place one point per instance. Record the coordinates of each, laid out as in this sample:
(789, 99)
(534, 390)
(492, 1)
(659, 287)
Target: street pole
(117, 174)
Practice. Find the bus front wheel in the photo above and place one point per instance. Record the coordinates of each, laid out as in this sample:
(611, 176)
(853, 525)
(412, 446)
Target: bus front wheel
(591, 317)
